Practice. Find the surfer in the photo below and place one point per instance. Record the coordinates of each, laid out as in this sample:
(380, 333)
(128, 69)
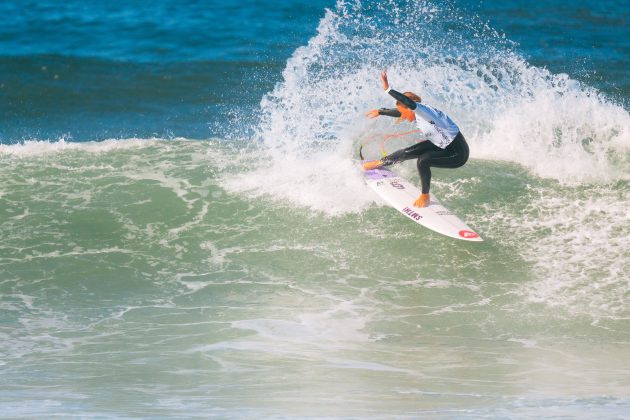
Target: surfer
(445, 148)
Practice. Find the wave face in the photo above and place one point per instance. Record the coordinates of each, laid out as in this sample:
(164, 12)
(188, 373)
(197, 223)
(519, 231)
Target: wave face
(253, 274)
(129, 265)
(572, 140)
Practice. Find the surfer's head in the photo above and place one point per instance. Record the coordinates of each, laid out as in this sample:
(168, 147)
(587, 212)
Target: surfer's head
(413, 96)
(406, 113)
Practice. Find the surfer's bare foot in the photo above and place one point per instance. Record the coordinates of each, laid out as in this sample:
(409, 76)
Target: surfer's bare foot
(373, 164)
(422, 201)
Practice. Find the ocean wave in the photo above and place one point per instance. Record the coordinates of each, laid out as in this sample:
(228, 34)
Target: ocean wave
(558, 129)
(508, 109)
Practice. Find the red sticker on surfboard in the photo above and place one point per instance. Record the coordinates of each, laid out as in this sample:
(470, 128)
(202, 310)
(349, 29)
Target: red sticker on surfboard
(468, 234)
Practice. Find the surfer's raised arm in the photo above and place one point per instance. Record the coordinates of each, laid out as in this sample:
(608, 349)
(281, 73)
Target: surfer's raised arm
(406, 101)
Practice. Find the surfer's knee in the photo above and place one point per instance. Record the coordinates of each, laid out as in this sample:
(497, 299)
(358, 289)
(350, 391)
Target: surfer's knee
(424, 163)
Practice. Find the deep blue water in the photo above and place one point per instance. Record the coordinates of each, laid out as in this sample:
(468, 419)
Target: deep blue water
(88, 70)
(94, 70)
(589, 40)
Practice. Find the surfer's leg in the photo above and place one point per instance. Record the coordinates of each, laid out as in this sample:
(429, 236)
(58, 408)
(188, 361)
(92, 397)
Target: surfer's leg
(454, 156)
(424, 168)
(402, 155)
(410, 152)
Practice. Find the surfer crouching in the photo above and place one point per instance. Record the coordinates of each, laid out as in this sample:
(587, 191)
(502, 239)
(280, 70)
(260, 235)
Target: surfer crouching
(446, 147)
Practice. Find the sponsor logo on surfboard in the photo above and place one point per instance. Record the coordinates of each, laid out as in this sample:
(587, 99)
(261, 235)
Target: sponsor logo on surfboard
(436, 217)
(409, 212)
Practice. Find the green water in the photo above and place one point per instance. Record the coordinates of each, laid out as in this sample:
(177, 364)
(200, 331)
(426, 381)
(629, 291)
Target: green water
(134, 283)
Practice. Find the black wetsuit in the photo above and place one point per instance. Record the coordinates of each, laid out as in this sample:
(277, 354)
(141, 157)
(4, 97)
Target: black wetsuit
(428, 154)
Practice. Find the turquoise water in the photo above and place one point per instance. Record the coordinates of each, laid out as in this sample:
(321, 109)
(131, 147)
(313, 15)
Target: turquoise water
(186, 232)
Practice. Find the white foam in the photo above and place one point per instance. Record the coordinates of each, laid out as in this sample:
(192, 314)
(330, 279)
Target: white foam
(581, 257)
(44, 147)
(327, 183)
(554, 126)
(337, 325)
(508, 110)
(561, 131)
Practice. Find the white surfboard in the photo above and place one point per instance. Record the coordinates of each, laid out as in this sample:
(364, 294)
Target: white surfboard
(401, 194)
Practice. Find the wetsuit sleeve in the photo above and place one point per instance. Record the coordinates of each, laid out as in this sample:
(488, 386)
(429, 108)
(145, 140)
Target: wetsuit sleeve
(409, 103)
(391, 112)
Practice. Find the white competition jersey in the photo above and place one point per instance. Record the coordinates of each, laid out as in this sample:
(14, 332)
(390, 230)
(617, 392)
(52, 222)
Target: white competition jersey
(435, 125)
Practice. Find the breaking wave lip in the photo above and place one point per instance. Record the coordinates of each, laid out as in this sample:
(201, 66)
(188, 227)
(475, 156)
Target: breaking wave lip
(509, 110)
(31, 148)
(556, 127)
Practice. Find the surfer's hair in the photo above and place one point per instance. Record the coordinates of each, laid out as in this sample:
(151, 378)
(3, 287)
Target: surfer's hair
(414, 97)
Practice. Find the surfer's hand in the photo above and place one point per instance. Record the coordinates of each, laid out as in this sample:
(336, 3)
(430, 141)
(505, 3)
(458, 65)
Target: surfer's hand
(384, 80)
(372, 114)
